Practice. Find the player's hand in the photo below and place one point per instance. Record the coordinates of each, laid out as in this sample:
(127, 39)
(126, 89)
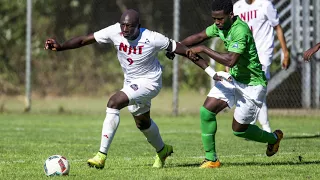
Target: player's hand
(308, 54)
(191, 53)
(217, 78)
(285, 61)
(196, 49)
(170, 55)
(221, 75)
(52, 44)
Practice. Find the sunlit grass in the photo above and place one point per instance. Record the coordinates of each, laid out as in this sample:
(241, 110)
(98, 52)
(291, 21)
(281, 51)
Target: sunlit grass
(72, 126)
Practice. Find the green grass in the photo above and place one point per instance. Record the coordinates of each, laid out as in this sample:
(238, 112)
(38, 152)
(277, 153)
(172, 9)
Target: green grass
(27, 139)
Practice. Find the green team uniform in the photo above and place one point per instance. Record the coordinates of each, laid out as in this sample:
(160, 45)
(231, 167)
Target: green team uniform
(248, 71)
(239, 39)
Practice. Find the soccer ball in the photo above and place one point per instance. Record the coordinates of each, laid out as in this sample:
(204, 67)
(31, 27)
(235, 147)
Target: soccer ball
(56, 165)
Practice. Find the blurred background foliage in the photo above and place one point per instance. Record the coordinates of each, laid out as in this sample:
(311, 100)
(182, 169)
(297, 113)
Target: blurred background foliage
(93, 69)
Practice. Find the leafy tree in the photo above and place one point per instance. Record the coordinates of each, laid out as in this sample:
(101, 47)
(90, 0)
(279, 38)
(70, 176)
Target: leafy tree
(12, 28)
(93, 68)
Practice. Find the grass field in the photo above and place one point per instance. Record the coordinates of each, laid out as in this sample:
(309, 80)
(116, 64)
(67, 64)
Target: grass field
(71, 127)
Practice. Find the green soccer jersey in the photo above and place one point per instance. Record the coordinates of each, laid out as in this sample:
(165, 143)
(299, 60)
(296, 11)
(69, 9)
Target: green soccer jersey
(239, 39)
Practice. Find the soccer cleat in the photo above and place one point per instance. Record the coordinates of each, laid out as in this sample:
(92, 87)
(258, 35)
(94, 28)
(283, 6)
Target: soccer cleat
(162, 155)
(210, 164)
(97, 161)
(273, 148)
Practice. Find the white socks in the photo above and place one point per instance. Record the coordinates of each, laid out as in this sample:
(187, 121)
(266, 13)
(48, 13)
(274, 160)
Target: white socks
(109, 128)
(263, 117)
(153, 136)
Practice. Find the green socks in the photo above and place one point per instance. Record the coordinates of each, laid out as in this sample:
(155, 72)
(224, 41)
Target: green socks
(256, 134)
(208, 130)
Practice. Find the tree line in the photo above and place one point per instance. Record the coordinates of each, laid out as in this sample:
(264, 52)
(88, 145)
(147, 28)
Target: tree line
(92, 69)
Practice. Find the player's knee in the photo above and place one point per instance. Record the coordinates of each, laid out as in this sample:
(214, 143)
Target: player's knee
(112, 103)
(118, 101)
(140, 126)
(142, 123)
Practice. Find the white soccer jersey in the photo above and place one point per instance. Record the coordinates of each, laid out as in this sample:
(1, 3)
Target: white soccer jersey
(138, 57)
(262, 17)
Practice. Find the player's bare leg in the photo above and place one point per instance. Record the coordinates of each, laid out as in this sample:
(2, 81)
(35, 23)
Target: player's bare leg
(110, 125)
(151, 131)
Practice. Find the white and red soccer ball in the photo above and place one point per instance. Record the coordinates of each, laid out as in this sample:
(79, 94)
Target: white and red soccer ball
(56, 165)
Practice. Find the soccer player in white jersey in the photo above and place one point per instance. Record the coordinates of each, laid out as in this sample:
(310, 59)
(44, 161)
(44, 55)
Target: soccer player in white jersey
(262, 18)
(137, 49)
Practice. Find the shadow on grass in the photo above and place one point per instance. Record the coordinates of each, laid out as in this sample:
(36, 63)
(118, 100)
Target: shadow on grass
(271, 163)
(290, 163)
(303, 137)
(185, 165)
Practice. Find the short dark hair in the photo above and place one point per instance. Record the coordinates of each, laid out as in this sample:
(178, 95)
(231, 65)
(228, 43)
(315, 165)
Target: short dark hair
(225, 5)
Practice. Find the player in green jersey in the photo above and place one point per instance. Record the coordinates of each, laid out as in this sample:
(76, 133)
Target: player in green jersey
(246, 90)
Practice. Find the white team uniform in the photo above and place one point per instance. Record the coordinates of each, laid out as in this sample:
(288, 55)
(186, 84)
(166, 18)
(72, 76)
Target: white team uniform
(141, 68)
(262, 17)
(247, 99)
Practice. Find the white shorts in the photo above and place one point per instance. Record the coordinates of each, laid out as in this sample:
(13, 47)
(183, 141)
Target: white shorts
(140, 92)
(248, 99)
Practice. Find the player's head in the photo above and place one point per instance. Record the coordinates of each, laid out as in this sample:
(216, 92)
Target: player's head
(250, 1)
(222, 13)
(130, 24)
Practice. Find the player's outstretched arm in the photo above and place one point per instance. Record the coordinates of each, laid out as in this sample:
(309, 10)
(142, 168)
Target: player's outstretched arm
(191, 41)
(308, 53)
(195, 39)
(199, 61)
(283, 44)
(73, 43)
(228, 59)
(181, 49)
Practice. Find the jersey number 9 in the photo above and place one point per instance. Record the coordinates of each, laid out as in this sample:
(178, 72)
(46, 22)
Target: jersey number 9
(130, 61)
